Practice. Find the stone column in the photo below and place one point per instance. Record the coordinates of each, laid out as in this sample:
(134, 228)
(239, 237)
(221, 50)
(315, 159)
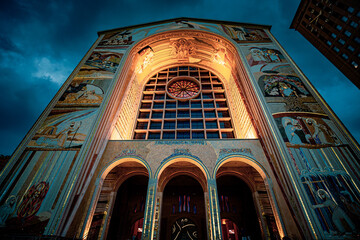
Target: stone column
(214, 211)
(157, 219)
(149, 210)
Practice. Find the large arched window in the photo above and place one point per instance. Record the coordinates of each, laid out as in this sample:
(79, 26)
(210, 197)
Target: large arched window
(184, 103)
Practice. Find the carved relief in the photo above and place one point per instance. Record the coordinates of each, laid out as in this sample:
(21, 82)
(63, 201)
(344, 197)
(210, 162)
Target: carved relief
(182, 48)
(146, 57)
(219, 56)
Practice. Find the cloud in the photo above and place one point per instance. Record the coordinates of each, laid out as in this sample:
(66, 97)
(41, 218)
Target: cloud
(55, 71)
(22, 103)
(7, 45)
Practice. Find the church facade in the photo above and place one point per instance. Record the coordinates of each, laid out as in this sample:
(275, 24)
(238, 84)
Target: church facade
(184, 129)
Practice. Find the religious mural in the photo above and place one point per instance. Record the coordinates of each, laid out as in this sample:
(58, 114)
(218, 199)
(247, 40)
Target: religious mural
(7, 209)
(125, 38)
(32, 200)
(334, 201)
(64, 129)
(68, 127)
(266, 56)
(282, 86)
(314, 143)
(306, 128)
(28, 209)
(278, 79)
(104, 60)
(129, 36)
(120, 38)
(85, 92)
(244, 34)
(261, 55)
(181, 24)
(93, 73)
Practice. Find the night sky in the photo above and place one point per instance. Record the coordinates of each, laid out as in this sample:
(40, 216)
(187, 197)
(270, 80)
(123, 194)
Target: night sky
(41, 43)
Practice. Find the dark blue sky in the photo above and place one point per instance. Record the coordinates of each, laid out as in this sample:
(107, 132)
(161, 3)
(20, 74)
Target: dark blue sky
(42, 42)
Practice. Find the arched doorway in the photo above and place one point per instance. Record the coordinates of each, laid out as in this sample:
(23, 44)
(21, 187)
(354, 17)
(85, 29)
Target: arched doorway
(244, 200)
(129, 209)
(183, 210)
(120, 202)
(238, 215)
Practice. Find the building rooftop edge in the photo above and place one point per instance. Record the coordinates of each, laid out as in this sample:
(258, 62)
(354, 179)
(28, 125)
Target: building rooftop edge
(182, 18)
(298, 15)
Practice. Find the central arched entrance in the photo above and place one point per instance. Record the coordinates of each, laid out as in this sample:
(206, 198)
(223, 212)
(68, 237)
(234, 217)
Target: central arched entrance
(182, 185)
(183, 210)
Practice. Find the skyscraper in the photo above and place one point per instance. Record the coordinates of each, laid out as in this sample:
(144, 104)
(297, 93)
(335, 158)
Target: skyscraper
(333, 28)
(184, 129)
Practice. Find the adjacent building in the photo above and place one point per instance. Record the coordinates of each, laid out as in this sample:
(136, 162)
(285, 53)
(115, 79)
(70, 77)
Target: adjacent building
(184, 129)
(333, 28)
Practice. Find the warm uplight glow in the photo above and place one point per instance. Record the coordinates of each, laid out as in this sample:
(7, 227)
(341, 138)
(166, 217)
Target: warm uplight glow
(219, 56)
(158, 55)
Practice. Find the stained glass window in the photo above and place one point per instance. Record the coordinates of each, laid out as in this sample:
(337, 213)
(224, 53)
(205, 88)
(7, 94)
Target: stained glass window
(184, 103)
(181, 88)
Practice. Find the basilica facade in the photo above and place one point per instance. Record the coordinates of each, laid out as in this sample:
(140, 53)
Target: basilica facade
(184, 129)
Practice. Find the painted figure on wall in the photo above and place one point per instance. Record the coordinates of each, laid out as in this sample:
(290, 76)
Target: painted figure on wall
(339, 217)
(122, 38)
(104, 60)
(351, 206)
(321, 133)
(180, 25)
(140, 33)
(282, 86)
(277, 78)
(281, 68)
(65, 130)
(293, 131)
(32, 200)
(306, 128)
(278, 68)
(326, 191)
(86, 72)
(80, 92)
(240, 34)
(7, 209)
(264, 55)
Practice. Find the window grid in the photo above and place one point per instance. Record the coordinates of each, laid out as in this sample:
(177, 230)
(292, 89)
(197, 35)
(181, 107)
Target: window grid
(204, 117)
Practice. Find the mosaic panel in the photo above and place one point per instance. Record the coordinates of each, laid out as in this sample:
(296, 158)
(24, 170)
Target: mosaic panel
(245, 34)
